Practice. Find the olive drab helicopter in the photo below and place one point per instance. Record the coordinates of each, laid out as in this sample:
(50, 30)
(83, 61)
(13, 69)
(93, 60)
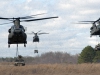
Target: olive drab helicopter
(95, 29)
(17, 33)
(36, 37)
(97, 47)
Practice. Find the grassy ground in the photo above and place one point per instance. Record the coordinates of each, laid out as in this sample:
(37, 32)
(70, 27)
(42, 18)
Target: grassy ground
(51, 69)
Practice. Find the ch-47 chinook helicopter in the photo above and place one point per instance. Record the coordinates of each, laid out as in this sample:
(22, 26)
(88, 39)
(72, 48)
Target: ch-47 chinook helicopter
(97, 47)
(95, 29)
(17, 33)
(36, 37)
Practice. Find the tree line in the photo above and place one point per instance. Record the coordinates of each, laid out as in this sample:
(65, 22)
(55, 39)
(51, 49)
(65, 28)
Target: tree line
(45, 58)
(88, 55)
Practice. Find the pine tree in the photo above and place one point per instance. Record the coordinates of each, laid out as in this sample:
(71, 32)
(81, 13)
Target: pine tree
(97, 57)
(86, 55)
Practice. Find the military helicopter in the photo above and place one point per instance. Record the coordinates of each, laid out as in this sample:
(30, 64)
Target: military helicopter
(17, 33)
(95, 29)
(97, 47)
(36, 37)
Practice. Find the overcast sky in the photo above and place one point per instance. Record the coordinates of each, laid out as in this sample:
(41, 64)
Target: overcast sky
(64, 36)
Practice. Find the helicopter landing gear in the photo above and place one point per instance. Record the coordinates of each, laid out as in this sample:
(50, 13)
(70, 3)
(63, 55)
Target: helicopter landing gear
(24, 45)
(90, 35)
(8, 45)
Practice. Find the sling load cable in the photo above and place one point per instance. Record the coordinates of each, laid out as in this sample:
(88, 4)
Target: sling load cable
(17, 53)
(36, 48)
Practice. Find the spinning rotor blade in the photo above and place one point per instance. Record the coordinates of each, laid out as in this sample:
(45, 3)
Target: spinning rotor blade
(38, 31)
(91, 21)
(26, 17)
(6, 23)
(31, 33)
(38, 19)
(82, 23)
(31, 16)
(35, 15)
(5, 18)
(17, 18)
(42, 33)
(86, 21)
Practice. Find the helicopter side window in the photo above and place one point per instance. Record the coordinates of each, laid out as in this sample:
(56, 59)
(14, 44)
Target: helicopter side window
(22, 28)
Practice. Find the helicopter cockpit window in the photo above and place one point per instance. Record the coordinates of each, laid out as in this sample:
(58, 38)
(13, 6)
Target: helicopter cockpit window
(22, 28)
(98, 26)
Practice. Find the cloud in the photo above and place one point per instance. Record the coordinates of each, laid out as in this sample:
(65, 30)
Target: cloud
(63, 34)
(88, 12)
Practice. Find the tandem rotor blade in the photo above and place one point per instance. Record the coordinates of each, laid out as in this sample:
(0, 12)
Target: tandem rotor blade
(5, 18)
(86, 21)
(26, 17)
(91, 21)
(42, 33)
(39, 31)
(38, 19)
(6, 23)
(31, 33)
(35, 15)
(31, 16)
(16, 18)
(81, 22)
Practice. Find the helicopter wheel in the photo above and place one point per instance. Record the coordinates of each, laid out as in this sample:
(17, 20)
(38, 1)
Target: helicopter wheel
(8, 45)
(24, 45)
(90, 35)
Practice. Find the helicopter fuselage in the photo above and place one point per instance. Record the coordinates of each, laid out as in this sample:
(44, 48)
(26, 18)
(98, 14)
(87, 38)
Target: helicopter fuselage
(17, 34)
(97, 47)
(95, 30)
(35, 39)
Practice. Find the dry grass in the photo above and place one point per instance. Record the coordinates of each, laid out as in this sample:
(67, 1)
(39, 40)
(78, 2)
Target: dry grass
(51, 69)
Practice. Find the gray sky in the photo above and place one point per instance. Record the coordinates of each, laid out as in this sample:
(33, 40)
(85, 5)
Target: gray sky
(63, 35)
